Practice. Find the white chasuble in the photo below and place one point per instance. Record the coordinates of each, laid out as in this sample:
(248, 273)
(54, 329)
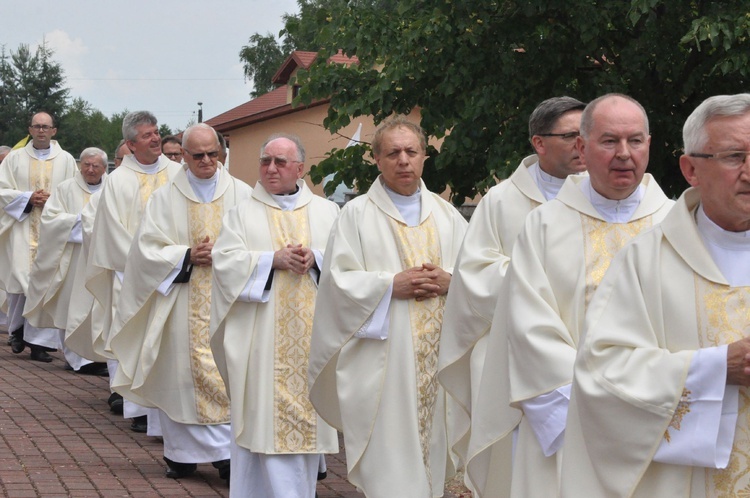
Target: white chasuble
(261, 347)
(662, 301)
(211, 401)
(22, 173)
(294, 295)
(723, 317)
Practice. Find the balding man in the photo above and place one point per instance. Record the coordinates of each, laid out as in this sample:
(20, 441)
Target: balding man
(557, 262)
(267, 260)
(660, 404)
(27, 177)
(160, 334)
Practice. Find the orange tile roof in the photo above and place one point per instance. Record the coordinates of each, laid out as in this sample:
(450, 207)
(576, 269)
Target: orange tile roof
(273, 103)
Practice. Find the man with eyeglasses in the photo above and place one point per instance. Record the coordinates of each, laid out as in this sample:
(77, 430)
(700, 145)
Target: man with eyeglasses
(121, 151)
(267, 261)
(160, 333)
(557, 262)
(123, 199)
(27, 177)
(172, 148)
(485, 255)
(660, 404)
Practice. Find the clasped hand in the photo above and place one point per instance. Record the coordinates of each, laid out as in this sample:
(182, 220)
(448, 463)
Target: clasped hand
(421, 282)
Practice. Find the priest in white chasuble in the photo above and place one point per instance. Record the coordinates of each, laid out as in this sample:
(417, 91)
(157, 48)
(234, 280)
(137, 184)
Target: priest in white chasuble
(27, 178)
(267, 260)
(160, 332)
(484, 257)
(373, 361)
(660, 403)
(558, 261)
(61, 237)
(123, 199)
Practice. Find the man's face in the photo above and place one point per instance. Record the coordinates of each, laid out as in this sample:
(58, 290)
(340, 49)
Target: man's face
(92, 169)
(202, 144)
(121, 153)
(558, 156)
(279, 167)
(616, 150)
(401, 160)
(41, 130)
(147, 144)
(173, 151)
(724, 187)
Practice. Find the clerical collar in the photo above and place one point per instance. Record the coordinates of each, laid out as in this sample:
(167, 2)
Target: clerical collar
(42, 154)
(95, 187)
(204, 188)
(287, 202)
(548, 185)
(409, 206)
(147, 168)
(729, 250)
(613, 211)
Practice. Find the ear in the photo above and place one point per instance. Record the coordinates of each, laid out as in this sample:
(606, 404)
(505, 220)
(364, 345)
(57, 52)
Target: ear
(301, 170)
(580, 146)
(538, 143)
(689, 170)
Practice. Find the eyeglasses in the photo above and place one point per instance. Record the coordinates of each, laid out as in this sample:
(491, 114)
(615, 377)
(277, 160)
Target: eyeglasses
(733, 159)
(199, 156)
(38, 127)
(567, 137)
(280, 161)
(175, 154)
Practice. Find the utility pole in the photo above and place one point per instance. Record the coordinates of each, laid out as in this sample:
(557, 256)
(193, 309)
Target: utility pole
(200, 112)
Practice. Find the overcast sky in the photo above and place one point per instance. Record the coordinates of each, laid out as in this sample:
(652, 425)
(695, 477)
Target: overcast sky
(164, 56)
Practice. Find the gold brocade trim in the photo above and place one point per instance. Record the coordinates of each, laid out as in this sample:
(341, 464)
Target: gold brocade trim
(418, 245)
(683, 408)
(601, 241)
(150, 182)
(211, 401)
(40, 177)
(295, 420)
(723, 316)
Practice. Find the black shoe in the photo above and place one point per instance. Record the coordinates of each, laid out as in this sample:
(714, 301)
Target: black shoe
(223, 468)
(16, 341)
(40, 355)
(322, 475)
(140, 424)
(98, 369)
(115, 403)
(175, 470)
(67, 367)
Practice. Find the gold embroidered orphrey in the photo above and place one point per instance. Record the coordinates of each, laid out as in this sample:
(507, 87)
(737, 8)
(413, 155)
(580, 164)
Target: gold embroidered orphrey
(40, 177)
(211, 401)
(601, 241)
(418, 245)
(723, 315)
(150, 182)
(295, 420)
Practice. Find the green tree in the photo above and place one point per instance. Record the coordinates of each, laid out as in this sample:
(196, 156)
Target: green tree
(165, 130)
(477, 68)
(261, 59)
(29, 81)
(263, 54)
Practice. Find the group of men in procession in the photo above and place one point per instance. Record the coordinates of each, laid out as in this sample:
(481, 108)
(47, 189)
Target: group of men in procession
(584, 335)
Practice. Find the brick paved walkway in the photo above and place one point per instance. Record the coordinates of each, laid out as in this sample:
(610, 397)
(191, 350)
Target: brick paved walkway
(59, 439)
